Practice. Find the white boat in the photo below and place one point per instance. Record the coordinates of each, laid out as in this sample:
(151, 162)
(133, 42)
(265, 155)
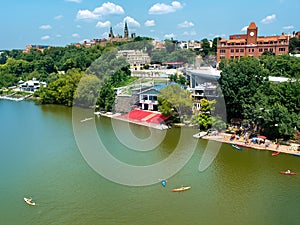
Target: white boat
(29, 201)
(200, 134)
(86, 119)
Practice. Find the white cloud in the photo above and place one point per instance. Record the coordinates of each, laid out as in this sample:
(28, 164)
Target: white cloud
(220, 35)
(86, 15)
(105, 35)
(75, 35)
(45, 37)
(77, 1)
(268, 19)
(192, 33)
(288, 27)
(150, 23)
(130, 21)
(244, 28)
(45, 27)
(185, 24)
(58, 35)
(161, 8)
(82, 41)
(103, 24)
(169, 36)
(108, 8)
(58, 17)
(78, 26)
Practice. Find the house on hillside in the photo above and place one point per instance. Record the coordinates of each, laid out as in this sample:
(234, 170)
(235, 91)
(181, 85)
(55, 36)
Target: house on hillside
(31, 85)
(148, 99)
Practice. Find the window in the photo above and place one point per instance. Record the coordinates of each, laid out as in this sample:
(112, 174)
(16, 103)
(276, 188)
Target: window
(271, 49)
(232, 50)
(266, 49)
(260, 50)
(252, 49)
(282, 49)
(237, 50)
(222, 51)
(232, 57)
(241, 50)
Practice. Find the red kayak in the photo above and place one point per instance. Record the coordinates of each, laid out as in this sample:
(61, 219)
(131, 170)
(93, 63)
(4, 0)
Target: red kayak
(244, 145)
(275, 153)
(288, 172)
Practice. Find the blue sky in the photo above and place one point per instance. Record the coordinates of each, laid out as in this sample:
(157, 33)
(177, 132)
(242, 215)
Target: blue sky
(62, 22)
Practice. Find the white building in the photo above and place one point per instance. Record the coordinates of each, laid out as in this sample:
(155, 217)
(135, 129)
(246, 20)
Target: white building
(137, 59)
(31, 85)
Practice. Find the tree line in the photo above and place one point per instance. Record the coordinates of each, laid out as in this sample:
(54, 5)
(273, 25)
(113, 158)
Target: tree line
(274, 108)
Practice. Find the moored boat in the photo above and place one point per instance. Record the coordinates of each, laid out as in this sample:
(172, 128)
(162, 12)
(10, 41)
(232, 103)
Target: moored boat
(200, 134)
(275, 153)
(244, 145)
(181, 189)
(236, 147)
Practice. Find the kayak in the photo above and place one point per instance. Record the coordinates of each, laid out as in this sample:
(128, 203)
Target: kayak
(164, 183)
(288, 173)
(200, 134)
(29, 201)
(181, 189)
(237, 147)
(243, 145)
(275, 153)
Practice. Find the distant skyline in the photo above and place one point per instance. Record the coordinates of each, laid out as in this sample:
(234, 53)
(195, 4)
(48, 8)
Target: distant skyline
(62, 22)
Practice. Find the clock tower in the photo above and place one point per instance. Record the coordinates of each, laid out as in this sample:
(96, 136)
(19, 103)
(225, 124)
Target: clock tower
(252, 34)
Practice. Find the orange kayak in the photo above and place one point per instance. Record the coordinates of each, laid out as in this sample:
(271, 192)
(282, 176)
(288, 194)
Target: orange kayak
(288, 173)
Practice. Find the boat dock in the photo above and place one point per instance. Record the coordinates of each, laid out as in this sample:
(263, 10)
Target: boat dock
(17, 99)
(143, 121)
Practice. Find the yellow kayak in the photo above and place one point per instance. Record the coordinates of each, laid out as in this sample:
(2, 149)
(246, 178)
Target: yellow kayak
(181, 189)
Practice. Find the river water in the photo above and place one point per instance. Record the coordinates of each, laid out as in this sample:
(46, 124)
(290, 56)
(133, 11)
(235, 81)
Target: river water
(42, 158)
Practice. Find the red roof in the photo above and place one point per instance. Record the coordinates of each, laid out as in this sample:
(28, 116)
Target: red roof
(252, 26)
(145, 116)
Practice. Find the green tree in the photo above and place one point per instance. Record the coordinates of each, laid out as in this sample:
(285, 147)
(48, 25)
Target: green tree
(239, 81)
(87, 91)
(294, 45)
(205, 47)
(62, 90)
(175, 101)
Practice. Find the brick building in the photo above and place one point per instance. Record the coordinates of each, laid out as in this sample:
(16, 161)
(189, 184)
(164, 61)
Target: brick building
(251, 44)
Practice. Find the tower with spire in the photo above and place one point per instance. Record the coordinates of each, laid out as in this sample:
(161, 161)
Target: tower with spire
(119, 38)
(111, 34)
(126, 30)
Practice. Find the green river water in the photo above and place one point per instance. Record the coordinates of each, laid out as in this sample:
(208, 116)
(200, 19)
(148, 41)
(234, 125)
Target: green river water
(40, 158)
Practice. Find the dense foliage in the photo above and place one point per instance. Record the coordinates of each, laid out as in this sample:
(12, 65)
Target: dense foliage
(294, 45)
(175, 101)
(273, 107)
(16, 64)
(62, 90)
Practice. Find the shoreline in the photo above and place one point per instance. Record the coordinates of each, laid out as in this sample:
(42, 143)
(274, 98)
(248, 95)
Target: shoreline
(225, 138)
(120, 117)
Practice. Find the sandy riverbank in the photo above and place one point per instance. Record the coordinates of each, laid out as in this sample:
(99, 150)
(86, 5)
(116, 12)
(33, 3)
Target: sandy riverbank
(225, 138)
